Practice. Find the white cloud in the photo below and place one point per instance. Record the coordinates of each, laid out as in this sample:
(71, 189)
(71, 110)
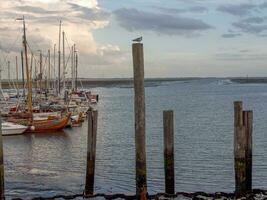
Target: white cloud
(80, 18)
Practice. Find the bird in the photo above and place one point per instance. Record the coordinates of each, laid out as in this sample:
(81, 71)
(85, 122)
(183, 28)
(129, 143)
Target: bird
(137, 39)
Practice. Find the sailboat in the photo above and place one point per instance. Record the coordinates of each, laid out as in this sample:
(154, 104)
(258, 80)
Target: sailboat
(51, 123)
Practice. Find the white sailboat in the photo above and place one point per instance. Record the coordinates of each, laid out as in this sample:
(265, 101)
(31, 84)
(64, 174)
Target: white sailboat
(9, 128)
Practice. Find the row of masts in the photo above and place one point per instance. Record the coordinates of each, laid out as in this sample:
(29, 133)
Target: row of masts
(41, 78)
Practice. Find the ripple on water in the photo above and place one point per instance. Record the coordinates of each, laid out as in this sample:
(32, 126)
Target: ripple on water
(54, 163)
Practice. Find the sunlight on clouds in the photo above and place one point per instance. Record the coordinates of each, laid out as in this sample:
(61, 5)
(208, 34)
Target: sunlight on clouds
(85, 3)
(79, 19)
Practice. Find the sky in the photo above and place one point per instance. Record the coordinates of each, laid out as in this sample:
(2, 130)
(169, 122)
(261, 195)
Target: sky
(182, 38)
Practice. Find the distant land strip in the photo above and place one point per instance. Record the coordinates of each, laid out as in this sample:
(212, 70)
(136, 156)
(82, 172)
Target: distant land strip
(128, 82)
(249, 80)
(97, 82)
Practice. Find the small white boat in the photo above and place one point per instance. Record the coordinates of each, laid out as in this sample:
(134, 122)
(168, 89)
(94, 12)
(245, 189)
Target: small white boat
(9, 128)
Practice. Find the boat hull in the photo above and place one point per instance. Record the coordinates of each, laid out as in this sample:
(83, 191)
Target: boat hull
(48, 125)
(13, 131)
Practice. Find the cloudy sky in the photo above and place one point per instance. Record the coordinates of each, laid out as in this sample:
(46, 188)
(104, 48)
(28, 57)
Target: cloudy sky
(181, 37)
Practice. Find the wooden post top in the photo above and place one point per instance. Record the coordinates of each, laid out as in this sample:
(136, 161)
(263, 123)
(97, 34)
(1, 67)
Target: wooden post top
(238, 113)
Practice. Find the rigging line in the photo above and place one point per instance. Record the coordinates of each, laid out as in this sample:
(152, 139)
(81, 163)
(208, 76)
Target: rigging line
(45, 63)
(37, 60)
(67, 42)
(5, 58)
(69, 52)
(32, 52)
(66, 65)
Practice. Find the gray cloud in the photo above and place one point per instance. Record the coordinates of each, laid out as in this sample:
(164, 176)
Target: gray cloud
(254, 25)
(35, 10)
(132, 19)
(241, 56)
(170, 10)
(194, 9)
(237, 10)
(256, 20)
(263, 5)
(231, 35)
(244, 51)
(90, 14)
(198, 9)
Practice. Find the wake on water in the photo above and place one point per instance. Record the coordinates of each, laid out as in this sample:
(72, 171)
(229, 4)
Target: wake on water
(225, 82)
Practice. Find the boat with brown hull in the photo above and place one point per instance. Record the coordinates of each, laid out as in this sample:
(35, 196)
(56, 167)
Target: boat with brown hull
(49, 125)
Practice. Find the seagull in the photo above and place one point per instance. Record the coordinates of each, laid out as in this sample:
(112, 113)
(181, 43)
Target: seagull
(137, 39)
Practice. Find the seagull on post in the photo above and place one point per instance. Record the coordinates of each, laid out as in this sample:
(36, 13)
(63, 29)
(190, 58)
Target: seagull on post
(137, 39)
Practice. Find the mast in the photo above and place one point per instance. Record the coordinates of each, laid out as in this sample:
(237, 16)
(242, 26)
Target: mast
(49, 70)
(22, 72)
(8, 74)
(35, 74)
(59, 57)
(64, 84)
(17, 71)
(76, 72)
(29, 96)
(0, 77)
(72, 69)
(55, 67)
(40, 74)
(17, 77)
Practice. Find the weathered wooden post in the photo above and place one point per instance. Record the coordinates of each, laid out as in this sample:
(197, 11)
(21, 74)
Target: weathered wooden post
(91, 152)
(2, 177)
(139, 107)
(169, 152)
(248, 123)
(242, 149)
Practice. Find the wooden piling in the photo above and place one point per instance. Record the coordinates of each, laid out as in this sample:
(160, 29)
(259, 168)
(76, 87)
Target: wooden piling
(139, 107)
(91, 152)
(242, 149)
(248, 123)
(2, 180)
(169, 152)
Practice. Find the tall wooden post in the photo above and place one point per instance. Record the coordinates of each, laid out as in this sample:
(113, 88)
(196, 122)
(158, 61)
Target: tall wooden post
(242, 149)
(2, 177)
(139, 107)
(91, 152)
(169, 151)
(248, 123)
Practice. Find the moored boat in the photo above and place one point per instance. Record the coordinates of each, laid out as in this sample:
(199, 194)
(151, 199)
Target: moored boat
(48, 125)
(9, 128)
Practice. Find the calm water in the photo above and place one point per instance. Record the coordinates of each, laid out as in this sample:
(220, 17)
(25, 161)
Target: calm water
(54, 163)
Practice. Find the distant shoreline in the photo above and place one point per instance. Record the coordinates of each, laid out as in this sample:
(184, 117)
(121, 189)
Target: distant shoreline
(104, 82)
(110, 82)
(248, 80)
